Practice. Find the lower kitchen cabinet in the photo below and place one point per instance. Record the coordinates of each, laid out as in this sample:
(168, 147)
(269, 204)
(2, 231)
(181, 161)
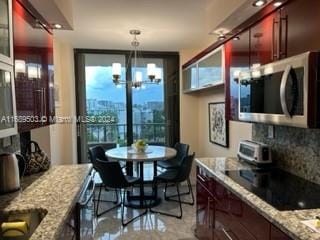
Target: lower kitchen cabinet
(222, 215)
(277, 234)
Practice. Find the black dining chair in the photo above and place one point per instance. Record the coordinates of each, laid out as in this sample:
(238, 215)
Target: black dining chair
(98, 152)
(113, 178)
(176, 176)
(182, 151)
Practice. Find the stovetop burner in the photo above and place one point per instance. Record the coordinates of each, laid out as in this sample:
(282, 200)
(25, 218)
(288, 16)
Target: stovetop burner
(281, 189)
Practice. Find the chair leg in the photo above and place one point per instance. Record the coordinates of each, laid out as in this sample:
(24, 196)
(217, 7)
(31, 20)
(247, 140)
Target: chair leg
(169, 198)
(108, 210)
(169, 214)
(124, 224)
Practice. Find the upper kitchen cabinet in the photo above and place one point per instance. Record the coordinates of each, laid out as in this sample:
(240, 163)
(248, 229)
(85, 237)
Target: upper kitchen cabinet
(264, 37)
(237, 59)
(6, 47)
(190, 78)
(205, 73)
(300, 24)
(33, 53)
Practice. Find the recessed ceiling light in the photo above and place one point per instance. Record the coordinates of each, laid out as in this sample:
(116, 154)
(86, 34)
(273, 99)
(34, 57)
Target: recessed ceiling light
(277, 4)
(236, 38)
(259, 3)
(57, 26)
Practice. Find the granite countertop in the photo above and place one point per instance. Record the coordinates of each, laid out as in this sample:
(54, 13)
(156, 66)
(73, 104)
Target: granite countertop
(54, 192)
(288, 221)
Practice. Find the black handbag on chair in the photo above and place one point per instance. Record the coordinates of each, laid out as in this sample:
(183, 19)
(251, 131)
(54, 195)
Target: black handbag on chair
(36, 159)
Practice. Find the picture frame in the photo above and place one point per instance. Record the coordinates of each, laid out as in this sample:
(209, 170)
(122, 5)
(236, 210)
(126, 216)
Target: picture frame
(218, 125)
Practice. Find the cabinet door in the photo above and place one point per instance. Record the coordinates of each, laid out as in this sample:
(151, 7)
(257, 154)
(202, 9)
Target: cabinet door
(6, 47)
(237, 60)
(33, 58)
(276, 234)
(190, 78)
(204, 214)
(264, 39)
(211, 69)
(302, 19)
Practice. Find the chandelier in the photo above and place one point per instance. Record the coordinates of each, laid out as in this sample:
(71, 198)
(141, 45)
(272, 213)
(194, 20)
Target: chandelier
(154, 73)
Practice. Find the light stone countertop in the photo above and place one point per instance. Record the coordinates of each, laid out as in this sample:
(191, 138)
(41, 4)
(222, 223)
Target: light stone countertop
(55, 192)
(288, 221)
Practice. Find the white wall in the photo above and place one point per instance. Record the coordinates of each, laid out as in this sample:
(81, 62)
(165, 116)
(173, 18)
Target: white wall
(59, 140)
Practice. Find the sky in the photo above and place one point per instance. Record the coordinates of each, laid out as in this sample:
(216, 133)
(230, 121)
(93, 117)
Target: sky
(99, 86)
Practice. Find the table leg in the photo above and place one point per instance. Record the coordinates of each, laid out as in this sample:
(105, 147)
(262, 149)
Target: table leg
(141, 184)
(155, 173)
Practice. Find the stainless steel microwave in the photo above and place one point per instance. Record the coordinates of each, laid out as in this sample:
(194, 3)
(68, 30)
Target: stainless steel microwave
(285, 92)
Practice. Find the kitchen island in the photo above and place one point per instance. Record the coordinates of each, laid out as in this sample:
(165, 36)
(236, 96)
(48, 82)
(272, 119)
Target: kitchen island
(54, 193)
(240, 209)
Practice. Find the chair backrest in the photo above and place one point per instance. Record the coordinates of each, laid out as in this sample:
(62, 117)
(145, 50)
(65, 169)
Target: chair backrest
(182, 151)
(95, 153)
(185, 168)
(111, 174)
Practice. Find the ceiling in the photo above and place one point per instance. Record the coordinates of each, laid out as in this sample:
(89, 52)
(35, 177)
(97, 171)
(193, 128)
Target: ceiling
(166, 25)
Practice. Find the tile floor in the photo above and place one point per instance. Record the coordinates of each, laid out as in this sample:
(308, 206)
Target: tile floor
(150, 227)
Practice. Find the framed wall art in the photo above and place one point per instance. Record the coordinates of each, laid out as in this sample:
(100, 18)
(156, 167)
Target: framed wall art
(218, 126)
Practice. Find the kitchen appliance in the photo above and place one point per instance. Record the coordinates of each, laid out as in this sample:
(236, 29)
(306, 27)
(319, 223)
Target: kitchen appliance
(282, 190)
(285, 92)
(10, 172)
(254, 152)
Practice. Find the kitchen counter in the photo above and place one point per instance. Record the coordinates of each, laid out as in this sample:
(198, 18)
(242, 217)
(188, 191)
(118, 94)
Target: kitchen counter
(288, 221)
(54, 192)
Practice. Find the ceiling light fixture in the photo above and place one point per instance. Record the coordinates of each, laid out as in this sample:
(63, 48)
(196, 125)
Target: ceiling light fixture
(221, 37)
(237, 38)
(277, 4)
(259, 3)
(154, 73)
(57, 26)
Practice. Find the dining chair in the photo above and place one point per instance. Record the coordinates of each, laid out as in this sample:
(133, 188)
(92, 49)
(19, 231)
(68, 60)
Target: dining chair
(98, 152)
(176, 176)
(182, 151)
(113, 178)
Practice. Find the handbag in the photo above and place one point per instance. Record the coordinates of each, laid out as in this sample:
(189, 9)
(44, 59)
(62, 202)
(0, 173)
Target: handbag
(36, 159)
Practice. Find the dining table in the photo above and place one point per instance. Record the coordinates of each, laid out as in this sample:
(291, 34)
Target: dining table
(151, 154)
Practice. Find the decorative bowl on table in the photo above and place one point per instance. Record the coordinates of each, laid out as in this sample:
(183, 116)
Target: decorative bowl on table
(140, 146)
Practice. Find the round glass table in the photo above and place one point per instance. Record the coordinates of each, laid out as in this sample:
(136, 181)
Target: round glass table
(151, 155)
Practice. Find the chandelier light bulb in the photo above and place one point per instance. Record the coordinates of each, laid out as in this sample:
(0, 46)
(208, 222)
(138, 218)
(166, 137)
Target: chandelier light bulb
(151, 70)
(116, 69)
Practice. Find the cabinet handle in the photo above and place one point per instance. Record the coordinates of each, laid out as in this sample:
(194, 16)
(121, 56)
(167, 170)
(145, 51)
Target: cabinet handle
(283, 21)
(274, 51)
(201, 178)
(227, 234)
(210, 200)
(44, 102)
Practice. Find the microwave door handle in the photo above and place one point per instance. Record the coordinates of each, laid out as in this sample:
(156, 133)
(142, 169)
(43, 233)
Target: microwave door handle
(284, 80)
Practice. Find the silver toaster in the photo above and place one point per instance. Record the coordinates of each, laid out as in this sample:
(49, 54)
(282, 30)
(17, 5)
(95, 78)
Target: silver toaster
(254, 152)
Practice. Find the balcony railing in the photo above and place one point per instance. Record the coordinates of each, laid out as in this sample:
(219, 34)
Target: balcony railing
(111, 133)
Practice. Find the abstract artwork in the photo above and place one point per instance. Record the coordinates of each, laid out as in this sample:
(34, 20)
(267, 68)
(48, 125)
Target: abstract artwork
(218, 126)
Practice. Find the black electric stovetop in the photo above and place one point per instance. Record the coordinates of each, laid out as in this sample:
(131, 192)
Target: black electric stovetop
(282, 190)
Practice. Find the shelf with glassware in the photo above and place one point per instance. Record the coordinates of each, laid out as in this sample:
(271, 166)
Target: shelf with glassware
(207, 72)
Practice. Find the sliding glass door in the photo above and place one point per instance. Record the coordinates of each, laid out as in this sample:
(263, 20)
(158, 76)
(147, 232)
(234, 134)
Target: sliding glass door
(119, 113)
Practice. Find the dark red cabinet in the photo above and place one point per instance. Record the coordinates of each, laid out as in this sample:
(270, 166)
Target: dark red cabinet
(276, 234)
(222, 215)
(33, 55)
(302, 26)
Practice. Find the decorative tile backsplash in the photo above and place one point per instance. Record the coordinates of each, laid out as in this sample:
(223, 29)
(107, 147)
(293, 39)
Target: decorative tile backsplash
(10, 144)
(296, 150)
